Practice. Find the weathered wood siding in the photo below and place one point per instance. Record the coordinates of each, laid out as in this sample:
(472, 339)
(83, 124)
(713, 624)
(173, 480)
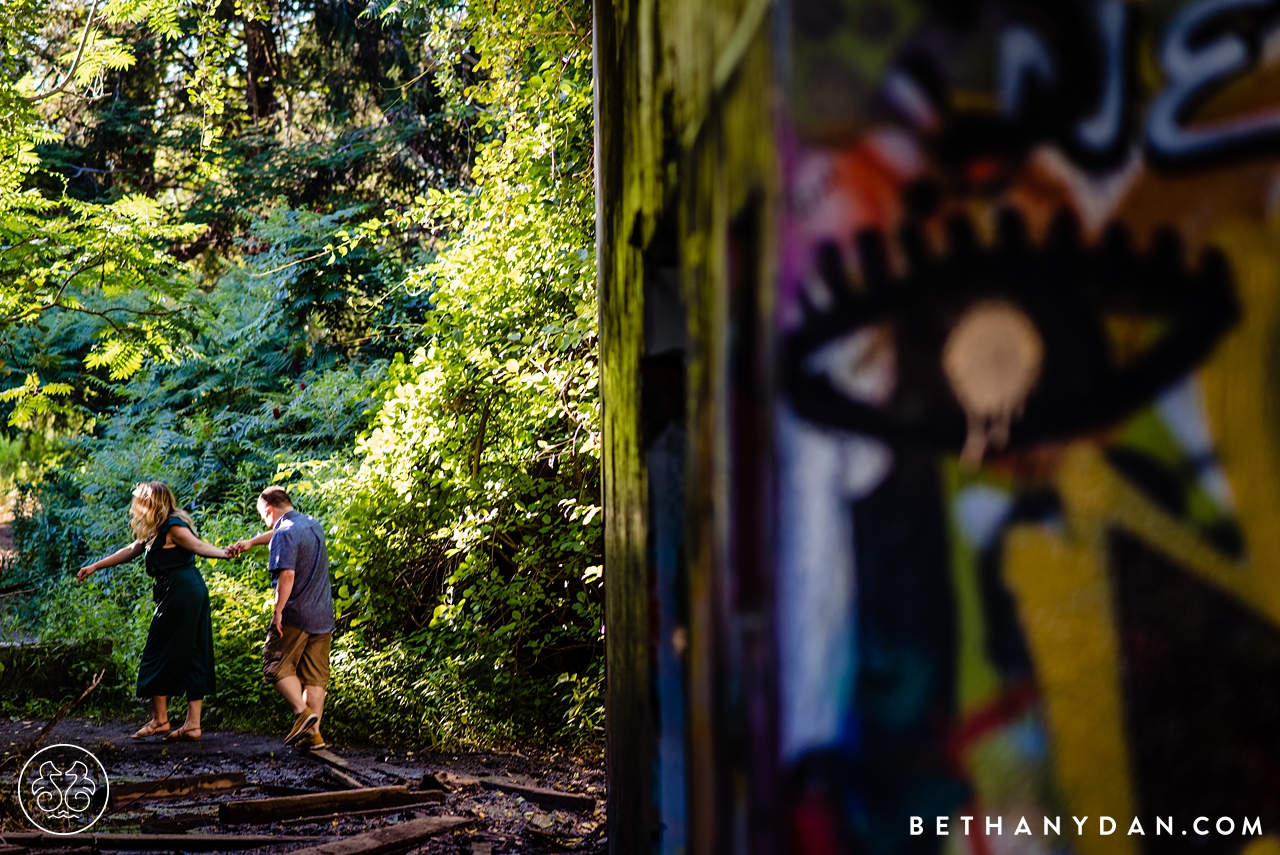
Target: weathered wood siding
(680, 158)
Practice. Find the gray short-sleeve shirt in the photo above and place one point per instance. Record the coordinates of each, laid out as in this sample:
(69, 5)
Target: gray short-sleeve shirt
(298, 545)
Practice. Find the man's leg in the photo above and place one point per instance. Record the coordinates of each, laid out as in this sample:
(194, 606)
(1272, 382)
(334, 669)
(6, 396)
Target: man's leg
(313, 696)
(291, 688)
(280, 655)
(313, 668)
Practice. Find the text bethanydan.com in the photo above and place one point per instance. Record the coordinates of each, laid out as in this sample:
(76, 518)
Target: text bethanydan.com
(989, 825)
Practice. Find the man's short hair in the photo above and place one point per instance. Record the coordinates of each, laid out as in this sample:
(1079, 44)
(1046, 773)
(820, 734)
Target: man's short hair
(276, 497)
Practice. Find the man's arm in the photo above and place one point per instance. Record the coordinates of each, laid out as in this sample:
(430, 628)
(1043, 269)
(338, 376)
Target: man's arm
(284, 587)
(240, 547)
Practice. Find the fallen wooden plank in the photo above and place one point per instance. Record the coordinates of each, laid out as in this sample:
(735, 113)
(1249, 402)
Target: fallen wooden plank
(393, 838)
(327, 780)
(394, 772)
(174, 787)
(427, 800)
(154, 842)
(446, 781)
(341, 769)
(288, 807)
(540, 796)
(327, 756)
(178, 824)
(349, 781)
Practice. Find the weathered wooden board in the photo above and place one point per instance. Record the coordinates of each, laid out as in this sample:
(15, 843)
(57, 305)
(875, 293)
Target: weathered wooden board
(541, 796)
(327, 756)
(328, 779)
(341, 769)
(289, 807)
(394, 838)
(444, 780)
(175, 787)
(427, 800)
(180, 823)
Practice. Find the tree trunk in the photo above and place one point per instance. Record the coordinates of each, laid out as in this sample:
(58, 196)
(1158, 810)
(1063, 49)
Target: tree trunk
(263, 67)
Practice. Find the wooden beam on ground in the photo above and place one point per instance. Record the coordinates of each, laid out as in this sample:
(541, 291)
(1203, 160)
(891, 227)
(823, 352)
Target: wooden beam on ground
(329, 778)
(341, 769)
(394, 772)
(427, 800)
(541, 796)
(447, 781)
(350, 781)
(178, 824)
(327, 756)
(154, 842)
(288, 807)
(174, 787)
(393, 838)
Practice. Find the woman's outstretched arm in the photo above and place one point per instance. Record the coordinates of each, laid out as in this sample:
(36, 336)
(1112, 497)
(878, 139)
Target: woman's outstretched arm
(120, 556)
(187, 540)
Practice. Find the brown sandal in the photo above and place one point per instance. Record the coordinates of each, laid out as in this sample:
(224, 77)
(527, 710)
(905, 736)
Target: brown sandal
(184, 734)
(151, 728)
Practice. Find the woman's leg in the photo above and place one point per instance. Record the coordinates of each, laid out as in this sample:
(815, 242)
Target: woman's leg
(192, 725)
(159, 722)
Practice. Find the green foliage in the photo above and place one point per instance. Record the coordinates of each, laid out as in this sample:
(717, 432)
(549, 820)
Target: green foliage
(365, 269)
(480, 474)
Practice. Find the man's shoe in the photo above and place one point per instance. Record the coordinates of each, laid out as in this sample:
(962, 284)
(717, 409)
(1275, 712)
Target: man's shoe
(311, 742)
(304, 722)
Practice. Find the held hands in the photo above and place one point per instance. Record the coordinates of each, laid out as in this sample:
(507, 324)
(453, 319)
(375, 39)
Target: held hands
(235, 550)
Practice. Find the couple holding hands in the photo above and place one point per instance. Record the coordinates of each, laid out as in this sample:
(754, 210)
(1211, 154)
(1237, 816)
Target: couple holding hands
(178, 657)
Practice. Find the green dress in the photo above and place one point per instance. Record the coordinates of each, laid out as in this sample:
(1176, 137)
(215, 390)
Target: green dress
(178, 658)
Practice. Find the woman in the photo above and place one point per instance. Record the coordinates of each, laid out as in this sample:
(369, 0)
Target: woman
(178, 658)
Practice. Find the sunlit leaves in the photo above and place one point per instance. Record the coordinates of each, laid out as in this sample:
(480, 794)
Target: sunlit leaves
(33, 399)
(121, 358)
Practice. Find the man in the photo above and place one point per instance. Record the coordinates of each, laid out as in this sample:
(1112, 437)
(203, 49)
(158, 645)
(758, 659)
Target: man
(295, 656)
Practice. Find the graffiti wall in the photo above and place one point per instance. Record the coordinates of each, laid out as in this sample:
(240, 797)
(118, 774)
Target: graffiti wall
(1027, 571)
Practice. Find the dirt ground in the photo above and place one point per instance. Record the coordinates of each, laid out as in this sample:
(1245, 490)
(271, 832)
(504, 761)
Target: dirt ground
(502, 823)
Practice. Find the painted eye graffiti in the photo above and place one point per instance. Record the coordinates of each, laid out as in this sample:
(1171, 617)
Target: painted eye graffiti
(987, 347)
(992, 359)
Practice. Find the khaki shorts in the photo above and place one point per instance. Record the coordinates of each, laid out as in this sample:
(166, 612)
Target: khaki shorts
(296, 653)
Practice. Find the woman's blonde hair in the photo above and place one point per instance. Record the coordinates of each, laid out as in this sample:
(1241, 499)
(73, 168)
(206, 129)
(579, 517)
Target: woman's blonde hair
(153, 504)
